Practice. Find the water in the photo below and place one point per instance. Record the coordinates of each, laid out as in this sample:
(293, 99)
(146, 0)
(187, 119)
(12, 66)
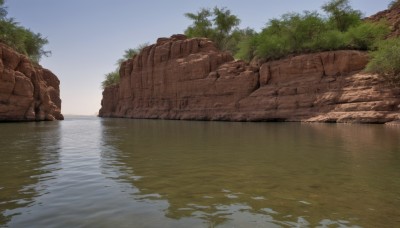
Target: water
(91, 172)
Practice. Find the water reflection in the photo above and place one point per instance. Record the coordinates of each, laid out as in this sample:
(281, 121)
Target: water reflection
(29, 155)
(258, 174)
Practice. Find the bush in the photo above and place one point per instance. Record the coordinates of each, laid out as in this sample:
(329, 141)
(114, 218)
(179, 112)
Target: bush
(385, 60)
(341, 15)
(219, 25)
(329, 41)
(292, 33)
(246, 48)
(308, 32)
(110, 79)
(21, 39)
(365, 35)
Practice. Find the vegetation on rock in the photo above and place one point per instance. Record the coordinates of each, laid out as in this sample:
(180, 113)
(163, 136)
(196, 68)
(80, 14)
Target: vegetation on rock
(112, 78)
(293, 33)
(296, 33)
(386, 61)
(20, 38)
(220, 26)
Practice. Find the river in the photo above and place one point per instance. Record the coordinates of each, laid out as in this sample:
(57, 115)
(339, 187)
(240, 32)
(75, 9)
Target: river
(92, 172)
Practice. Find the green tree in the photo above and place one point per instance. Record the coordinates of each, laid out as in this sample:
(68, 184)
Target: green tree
(224, 25)
(296, 33)
(219, 25)
(246, 44)
(21, 39)
(202, 25)
(366, 35)
(3, 10)
(341, 15)
(111, 78)
(385, 60)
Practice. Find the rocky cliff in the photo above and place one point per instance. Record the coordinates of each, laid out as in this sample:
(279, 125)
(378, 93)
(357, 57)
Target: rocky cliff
(27, 91)
(390, 16)
(189, 79)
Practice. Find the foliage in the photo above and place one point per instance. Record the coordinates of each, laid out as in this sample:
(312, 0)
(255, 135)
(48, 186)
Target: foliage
(292, 33)
(219, 25)
(385, 60)
(246, 45)
(365, 35)
(131, 52)
(19, 38)
(341, 15)
(113, 78)
(307, 32)
(3, 10)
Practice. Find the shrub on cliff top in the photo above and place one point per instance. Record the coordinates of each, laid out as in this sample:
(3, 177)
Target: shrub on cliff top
(340, 14)
(219, 25)
(19, 38)
(296, 33)
(112, 78)
(386, 61)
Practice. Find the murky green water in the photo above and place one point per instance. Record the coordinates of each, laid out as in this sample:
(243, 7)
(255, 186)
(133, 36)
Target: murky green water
(90, 172)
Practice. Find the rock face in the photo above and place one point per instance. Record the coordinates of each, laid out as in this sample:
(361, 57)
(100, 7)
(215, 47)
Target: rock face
(179, 78)
(27, 91)
(390, 16)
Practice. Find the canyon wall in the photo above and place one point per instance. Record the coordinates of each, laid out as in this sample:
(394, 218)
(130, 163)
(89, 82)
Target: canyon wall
(189, 79)
(28, 92)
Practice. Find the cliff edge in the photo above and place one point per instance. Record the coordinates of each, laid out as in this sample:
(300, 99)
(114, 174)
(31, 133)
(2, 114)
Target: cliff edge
(28, 92)
(189, 79)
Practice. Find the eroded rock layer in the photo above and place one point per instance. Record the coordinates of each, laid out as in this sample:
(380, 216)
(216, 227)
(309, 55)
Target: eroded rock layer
(179, 78)
(27, 91)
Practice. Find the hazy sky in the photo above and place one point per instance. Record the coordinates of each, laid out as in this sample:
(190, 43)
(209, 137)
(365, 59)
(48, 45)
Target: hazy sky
(86, 37)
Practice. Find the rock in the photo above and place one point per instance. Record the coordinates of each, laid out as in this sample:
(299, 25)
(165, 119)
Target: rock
(27, 91)
(391, 17)
(180, 78)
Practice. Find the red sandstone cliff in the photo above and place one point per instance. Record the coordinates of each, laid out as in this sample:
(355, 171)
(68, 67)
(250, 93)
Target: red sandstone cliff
(27, 91)
(179, 78)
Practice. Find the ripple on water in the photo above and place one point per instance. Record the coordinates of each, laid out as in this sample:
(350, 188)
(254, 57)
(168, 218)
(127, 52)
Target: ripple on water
(101, 172)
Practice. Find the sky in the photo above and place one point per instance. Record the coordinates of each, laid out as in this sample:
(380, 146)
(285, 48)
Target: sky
(87, 37)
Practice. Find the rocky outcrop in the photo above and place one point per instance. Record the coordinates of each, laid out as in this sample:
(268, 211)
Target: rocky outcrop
(179, 78)
(391, 17)
(27, 91)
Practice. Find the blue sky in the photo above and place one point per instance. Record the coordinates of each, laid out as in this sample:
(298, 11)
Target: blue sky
(86, 37)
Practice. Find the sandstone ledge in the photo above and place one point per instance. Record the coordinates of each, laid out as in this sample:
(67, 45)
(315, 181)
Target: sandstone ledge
(189, 79)
(28, 92)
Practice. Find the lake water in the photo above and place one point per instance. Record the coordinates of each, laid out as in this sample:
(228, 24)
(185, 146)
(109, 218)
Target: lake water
(91, 172)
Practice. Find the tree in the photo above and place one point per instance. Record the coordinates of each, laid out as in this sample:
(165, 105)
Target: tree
(3, 10)
(111, 78)
(201, 26)
(341, 15)
(224, 24)
(219, 25)
(385, 61)
(21, 39)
